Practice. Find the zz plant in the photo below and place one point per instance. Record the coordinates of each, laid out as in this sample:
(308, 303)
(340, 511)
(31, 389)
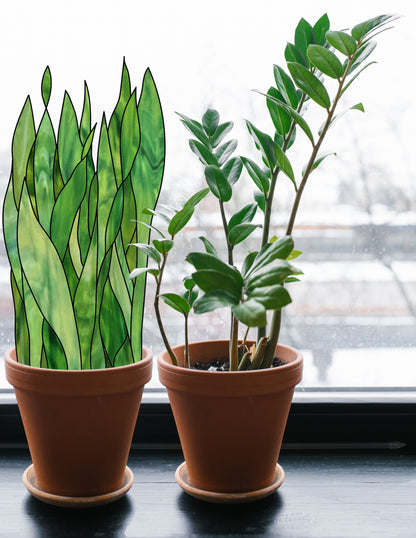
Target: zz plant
(69, 223)
(259, 286)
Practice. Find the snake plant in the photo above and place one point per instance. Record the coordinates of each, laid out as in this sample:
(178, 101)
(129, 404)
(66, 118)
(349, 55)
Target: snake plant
(69, 220)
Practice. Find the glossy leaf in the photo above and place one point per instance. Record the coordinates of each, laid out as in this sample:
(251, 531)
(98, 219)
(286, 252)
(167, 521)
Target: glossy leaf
(310, 84)
(241, 232)
(176, 302)
(143, 270)
(281, 119)
(269, 275)
(244, 215)
(180, 219)
(257, 175)
(195, 128)
(209, 280)
(218, 183)
(320, 28)
(284, 164)
(209, 247)
(264, 144)
(212, 300)
(248, 262)
(150, 251)
(362, 54)
(225, 151)
(202, 260)
(326, 61)
(293, 54)
(163, 246)
(204, 154)
(317, 162)
(222, 130)
(363, 29)
(304, 36)
(272, 297)
(232, 170)
(260, 200)
(342, 41)
(285, 86)
(196, 198)
(210, 121)
(278, 250)
(251, 313)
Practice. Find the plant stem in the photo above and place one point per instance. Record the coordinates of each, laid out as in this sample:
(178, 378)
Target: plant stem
(225, 226)
(234, 345)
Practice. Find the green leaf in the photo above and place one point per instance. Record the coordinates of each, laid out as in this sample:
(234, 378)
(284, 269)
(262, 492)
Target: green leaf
(195, 128)
(232, 170)
(212, 300)
(320, 28)
(271, 297)
(210, 121)
(209, 280)
(176, 302)
(285, 86)
(269, 275)
(46, 278)
(264, 143)
(180, 220)
(318, 162)
(293, 114)
(248, 262)
(225, 151)
(209, 247)
(281, 119)
(304, 36)
(46, 86)
(221, 131)
(218, 183)
(326, 61)
(150, 251)
(342, 41)
(362, 29)
(203, 260)
(163, 246)
(241, 232)
(23, 140)
(244, 215)
(142, 270)
(196, 198)
(362, 54)
(310, 84)
(284, 164)
(203, 153)
(260, 200)
(251, 313)
(257, 175)
(293, 54)
(278, 250)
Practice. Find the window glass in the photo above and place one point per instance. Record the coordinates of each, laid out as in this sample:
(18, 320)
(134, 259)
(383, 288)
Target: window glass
(354, 313)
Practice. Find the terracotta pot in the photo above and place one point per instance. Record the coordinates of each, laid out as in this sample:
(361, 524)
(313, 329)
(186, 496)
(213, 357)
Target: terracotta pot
(230, 424)
(79, 424)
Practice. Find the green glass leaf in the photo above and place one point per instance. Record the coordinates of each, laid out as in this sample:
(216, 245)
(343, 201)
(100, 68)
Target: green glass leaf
(124, 355)
(218, 184)
(66, 207)
(113, 329)
(251, 313)
(232, 170)
(203, 153)
(21, 329)
(54, 354)
(130, 136)
(244, 215)
(281, 119)
(176, 302)
(10, 236)
(46, 86)
(363, 29)
(92, 200)
(69, 143)
(320, 28)
(304, 36)
(293, 54)
(241, 232)
(285, 86)
(212, 300)
(113, 224)
(46, 278)
(326, 61)
(23, 140)
(265, 144)
(209, 247)
(196, 129)
(222, 130)
(85, 125)
(120, 284)
(342, 41)
(210, 121)
(310, 84)
(34, 319)
(225, 151)
(88, 143)
(44, 157)
(271, 297)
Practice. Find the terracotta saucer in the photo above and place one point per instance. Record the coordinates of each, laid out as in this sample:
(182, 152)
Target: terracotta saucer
(29, 480)
(182, 479)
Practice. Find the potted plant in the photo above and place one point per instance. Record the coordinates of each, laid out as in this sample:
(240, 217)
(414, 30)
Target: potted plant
(79, 366)
(231, 422)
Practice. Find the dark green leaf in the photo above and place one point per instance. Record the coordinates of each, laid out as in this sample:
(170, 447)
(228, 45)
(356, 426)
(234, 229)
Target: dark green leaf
(176, 302)
(251, 313)
(196, 198)
(209, 280)
(269, 275)
(342, 42)
(189, 283)
(225, 151)
(320, 28)
(326, 61)
(310, 84)
(277, 250)
(284, 164)
(203, 260)
(180, 219)
(281, 119)
(221, 131)
(293, 54)
(362, 54)
(246, 214)
(285, 86)
(195, 128)
(232, 170)
(203, 153)
(210, 121)
(241, 232)
(191, 295)
(260, 200)
(362, 29)
(163, 246)
(149, 251)
(248, 262)
(271, 297)
(209, 247)
(218, 183)
(263, 143)
(213, 300)
(46, 86)
(257, 175)
(304, 36)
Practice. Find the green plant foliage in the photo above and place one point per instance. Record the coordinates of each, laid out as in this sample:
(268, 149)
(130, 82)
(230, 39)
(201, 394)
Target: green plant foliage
(69, 225)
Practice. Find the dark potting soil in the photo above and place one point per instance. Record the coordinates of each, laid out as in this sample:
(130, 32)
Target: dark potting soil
(224, 365)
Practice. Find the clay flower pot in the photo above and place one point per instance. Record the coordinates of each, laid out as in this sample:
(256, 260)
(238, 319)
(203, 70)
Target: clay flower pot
(230, 424)
(79, 424)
